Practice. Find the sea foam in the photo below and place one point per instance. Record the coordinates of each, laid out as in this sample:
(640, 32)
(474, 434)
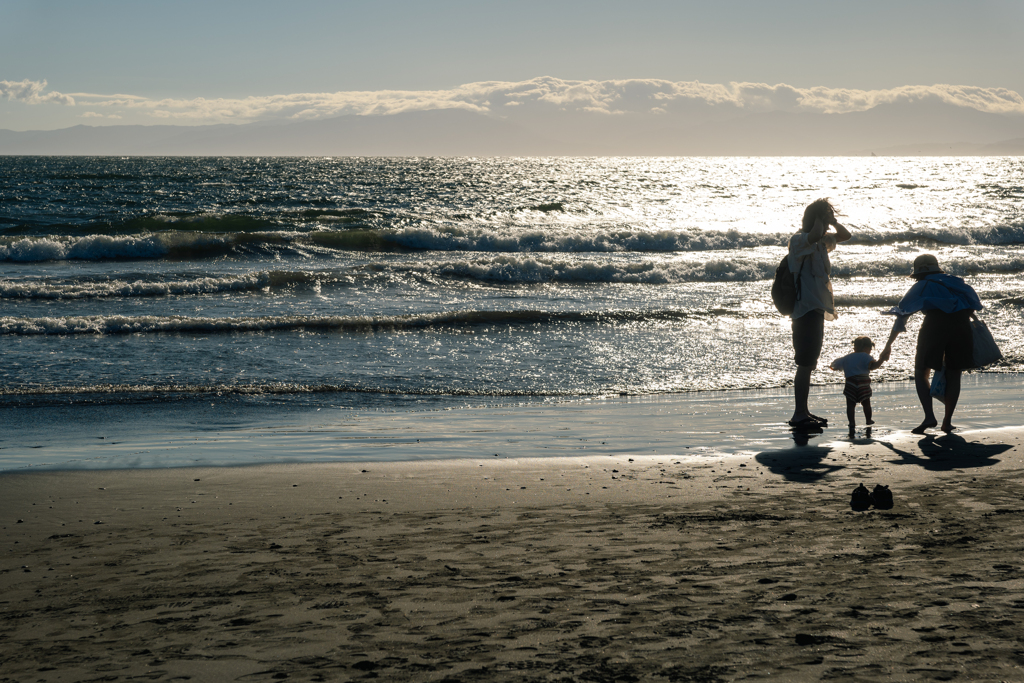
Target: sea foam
(206, 242)
(121, 288)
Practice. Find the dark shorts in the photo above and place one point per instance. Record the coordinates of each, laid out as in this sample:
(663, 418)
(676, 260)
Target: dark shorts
(945, 339)
(858, 388)
(808, 334)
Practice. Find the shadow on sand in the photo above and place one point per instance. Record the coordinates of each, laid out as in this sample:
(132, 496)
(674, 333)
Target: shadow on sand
(807, 463)
(804, 462)
(948, 452)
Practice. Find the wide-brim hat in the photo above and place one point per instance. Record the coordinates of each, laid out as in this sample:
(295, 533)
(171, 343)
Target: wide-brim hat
(925, 264)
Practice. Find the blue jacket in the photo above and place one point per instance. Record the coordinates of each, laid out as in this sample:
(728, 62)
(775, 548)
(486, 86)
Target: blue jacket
(937, 291)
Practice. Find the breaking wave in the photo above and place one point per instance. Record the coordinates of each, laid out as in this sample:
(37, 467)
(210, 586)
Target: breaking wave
(122, 324)
(272, 389)
(186, 245)
(209, 242)
(506, 269)
(512, 269)
(124, 288)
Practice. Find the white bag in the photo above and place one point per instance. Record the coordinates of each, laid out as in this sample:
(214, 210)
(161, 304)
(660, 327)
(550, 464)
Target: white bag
(938, 389)
(986, 351)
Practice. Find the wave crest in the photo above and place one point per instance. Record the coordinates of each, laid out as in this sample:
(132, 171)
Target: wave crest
(214, 239)
(121, 288)
(122, 324)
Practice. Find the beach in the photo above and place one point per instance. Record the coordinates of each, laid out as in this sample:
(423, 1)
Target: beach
(723, 565)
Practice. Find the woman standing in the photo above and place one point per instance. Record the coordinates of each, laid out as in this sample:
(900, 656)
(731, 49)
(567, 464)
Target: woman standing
(945, 339)
(812, 269)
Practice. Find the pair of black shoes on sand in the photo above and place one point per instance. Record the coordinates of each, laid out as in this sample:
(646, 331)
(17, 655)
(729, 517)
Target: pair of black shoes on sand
(862, 499)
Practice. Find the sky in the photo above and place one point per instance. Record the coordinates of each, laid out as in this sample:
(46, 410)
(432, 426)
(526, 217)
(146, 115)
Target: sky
(64, 63)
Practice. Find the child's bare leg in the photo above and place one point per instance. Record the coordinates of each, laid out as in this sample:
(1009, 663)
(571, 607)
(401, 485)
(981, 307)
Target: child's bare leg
(851, 412)
(867, 412)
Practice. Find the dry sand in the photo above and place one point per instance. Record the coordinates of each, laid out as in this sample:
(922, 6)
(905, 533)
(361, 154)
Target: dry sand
(562, 569)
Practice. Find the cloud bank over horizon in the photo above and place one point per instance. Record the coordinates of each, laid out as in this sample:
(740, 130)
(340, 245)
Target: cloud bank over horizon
(31, 92)
(504, 99)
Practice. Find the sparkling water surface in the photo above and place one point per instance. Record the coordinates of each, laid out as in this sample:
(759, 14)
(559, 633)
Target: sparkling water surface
(435, 283)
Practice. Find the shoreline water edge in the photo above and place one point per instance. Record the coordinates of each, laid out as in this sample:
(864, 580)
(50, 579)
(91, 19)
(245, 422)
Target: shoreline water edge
(700, 424)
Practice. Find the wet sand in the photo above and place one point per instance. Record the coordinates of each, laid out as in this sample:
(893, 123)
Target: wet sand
(703, 423)
(600, 568)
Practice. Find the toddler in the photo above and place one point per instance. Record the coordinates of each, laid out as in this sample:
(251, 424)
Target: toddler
(856, 367)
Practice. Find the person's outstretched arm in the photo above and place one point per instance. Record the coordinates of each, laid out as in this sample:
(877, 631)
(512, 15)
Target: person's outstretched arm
(898, 326)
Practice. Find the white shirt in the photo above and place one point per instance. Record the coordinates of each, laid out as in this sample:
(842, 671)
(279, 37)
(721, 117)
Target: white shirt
(811, 269)
(857, 363)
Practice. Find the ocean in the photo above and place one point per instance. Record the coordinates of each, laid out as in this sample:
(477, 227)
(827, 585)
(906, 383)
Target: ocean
(252, 291)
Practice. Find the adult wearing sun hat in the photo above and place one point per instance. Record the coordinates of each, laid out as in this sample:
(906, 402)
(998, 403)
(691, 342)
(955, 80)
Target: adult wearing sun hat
(948, 303)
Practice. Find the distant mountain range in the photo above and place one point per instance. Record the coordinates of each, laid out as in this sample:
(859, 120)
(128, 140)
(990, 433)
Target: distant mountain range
(911, 128)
